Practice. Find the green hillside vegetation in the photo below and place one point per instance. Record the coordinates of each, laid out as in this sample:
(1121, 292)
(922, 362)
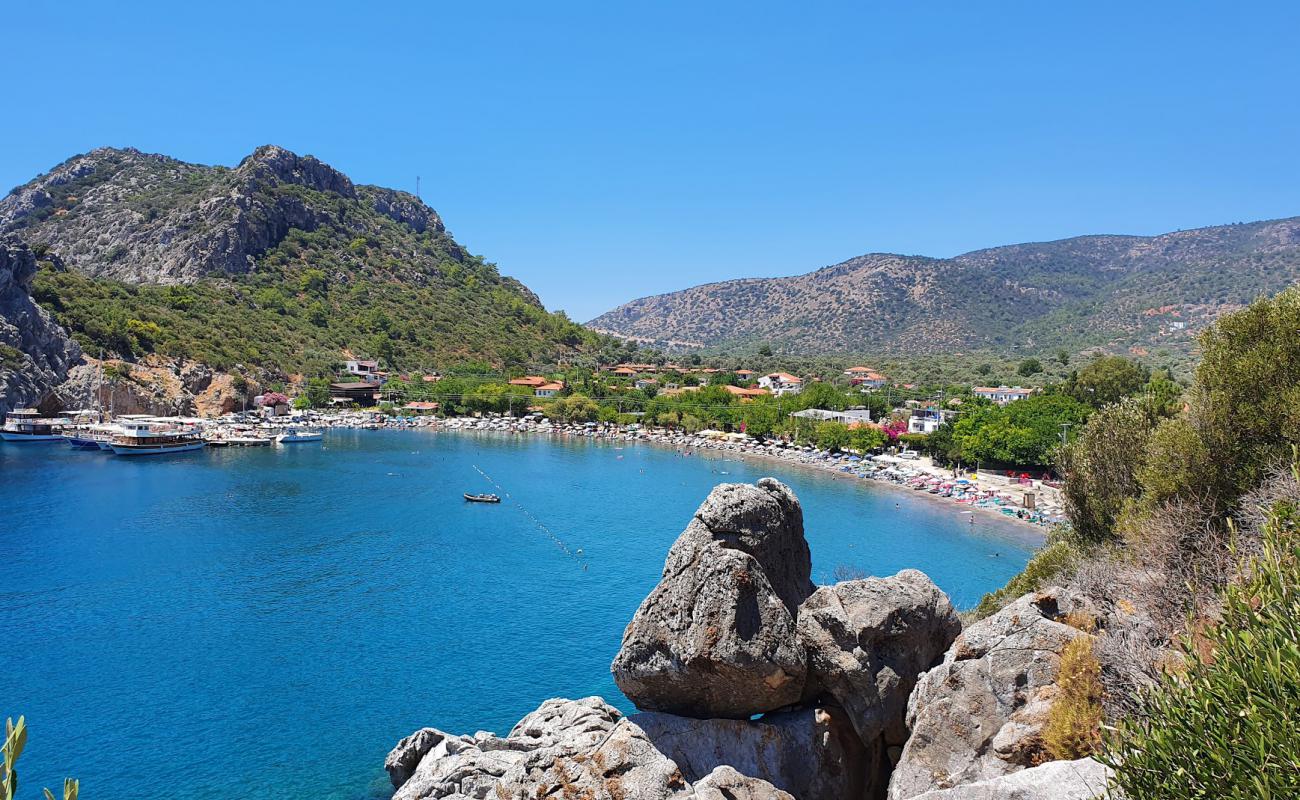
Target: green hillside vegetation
(304, 306)
(1025, 434)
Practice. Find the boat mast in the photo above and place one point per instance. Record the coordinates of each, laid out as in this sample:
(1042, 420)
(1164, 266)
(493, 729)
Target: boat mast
(99, 388)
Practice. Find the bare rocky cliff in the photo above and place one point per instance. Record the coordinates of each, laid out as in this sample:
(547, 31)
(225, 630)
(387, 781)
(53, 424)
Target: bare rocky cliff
(35, 353)
(144, 218)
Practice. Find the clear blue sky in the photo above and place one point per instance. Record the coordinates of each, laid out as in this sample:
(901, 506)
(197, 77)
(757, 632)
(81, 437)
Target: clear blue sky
(604, 151)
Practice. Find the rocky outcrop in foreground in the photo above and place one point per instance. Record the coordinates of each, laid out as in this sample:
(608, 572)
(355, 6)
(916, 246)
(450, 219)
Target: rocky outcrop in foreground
(755, 687)
(716, 637)
(568, 748)
(35, 352)
(808, 752)
(980, 714)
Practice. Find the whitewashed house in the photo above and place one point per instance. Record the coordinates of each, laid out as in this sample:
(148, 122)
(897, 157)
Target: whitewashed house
(779, 383)
(1002, 394)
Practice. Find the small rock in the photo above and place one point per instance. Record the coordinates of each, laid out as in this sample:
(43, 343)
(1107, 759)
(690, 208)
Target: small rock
(811, 753)
(724, 783)
(405, 757)
(579, 748)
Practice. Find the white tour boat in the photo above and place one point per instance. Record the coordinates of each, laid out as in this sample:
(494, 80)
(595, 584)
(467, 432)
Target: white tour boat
(143, 438)
(27, 425)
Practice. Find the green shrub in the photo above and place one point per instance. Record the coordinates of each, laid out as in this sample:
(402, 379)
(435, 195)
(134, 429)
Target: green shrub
(1073, 728)
(117, 371)
(1101, 468)
(11, 357)
(1226, 726)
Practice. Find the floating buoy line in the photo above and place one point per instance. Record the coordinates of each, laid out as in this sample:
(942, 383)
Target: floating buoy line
(577, 554)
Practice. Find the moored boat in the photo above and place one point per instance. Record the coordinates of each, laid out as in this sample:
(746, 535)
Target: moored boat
(81, 439)
(27, 425)
(238, 436)
(92, 437)
(142, 438)
(297, 436)
(241, 441)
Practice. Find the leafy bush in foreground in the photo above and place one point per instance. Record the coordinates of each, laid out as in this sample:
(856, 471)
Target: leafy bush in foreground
(15, 740)
(1226, 727)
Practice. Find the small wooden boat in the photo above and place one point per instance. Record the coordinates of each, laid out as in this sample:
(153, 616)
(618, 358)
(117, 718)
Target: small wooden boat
(482, 498)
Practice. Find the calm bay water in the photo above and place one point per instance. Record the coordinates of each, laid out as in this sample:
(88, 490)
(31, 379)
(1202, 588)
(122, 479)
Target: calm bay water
(267, 623)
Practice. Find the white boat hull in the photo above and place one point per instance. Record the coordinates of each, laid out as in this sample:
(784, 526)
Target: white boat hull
(285, 438)
(12, 436)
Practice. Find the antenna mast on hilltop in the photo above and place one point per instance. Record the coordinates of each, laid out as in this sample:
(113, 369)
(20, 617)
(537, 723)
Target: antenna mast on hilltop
(417, 186)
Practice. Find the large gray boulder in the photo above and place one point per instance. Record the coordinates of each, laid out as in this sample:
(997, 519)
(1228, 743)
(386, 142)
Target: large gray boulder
(716, 637)
(811, 753)
(868, 640)
(1083, 779)
(980, 713)
(565, 749)
(764, 520)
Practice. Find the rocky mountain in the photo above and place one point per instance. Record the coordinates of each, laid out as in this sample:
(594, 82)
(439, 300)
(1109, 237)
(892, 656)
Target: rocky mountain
(35, 353)
(281, 263)
(1119, 292)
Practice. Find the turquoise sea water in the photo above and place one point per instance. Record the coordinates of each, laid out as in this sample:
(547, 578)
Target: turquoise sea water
(267, 623)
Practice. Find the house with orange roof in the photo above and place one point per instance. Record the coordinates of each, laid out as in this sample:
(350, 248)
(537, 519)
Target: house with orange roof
(424, 406)
(548, 390)
(866, 377)
(745, 395)
(529, 380)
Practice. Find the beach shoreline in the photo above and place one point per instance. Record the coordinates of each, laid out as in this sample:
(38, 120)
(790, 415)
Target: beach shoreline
(1029, 503)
